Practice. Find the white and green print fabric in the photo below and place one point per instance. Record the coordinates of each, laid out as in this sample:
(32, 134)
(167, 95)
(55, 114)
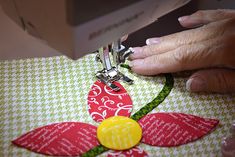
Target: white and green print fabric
(40, 91)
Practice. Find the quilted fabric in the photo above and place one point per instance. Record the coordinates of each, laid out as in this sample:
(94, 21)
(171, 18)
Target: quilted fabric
(42, 91)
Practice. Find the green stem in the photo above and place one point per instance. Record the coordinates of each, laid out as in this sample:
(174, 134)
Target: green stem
(156, 101)
(125, 66)
(95, 151)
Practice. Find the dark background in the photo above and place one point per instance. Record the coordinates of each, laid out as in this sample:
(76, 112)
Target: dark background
(169, 23)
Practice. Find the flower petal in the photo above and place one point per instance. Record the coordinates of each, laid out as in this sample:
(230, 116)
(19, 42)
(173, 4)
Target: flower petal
(173, 129)
(60, 139)
(103, 102)
(134, 152)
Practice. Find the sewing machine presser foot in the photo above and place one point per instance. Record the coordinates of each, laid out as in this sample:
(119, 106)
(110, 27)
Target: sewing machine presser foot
(110, 73)
(108, 77)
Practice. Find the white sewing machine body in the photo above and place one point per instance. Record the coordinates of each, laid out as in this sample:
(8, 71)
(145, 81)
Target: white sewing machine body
(77, 28)
(80, 27)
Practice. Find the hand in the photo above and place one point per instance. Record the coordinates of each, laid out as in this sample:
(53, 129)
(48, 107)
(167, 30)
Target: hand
(210, 46)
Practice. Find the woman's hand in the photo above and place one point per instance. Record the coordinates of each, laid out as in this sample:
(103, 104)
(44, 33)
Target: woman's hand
(210, 47)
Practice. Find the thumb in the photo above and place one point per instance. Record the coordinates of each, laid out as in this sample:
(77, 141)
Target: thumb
(204, 17)
(213, 80)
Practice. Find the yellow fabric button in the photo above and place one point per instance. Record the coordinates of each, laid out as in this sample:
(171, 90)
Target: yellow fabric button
(119, 133)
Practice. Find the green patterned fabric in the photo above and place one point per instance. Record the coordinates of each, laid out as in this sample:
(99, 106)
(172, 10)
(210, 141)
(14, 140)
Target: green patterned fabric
(125, 66)
(41, 91)
(156, 101)
(95, 151)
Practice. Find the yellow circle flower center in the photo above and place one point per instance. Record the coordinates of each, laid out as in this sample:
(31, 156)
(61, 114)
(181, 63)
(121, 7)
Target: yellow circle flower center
(119, 133)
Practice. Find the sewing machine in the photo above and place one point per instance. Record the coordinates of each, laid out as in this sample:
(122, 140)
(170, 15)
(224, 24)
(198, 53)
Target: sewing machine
(77, 28)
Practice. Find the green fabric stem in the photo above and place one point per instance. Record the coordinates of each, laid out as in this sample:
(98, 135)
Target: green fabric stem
(125, 66)
(141, 113)
(95, 151)
(159, 99)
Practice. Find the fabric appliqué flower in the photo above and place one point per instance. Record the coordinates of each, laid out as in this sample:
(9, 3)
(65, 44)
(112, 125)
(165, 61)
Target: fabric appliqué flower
(80, 139)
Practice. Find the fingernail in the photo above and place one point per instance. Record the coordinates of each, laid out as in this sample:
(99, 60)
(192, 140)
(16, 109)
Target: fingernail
(195, 85)
(138, 62)
(131, 64)
(136, 50)
(152, 41)
(183, 18)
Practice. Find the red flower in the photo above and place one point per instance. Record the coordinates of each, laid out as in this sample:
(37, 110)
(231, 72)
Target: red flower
(76, 138)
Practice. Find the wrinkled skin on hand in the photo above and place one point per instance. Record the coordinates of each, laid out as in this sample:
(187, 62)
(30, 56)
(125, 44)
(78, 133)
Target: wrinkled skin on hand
(208, 46)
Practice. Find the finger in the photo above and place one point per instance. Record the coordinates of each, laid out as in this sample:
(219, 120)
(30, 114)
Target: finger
(124, 38)
(204, 17)
(173, 41)
(187, 57)
(213, 80)
(152, 41)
